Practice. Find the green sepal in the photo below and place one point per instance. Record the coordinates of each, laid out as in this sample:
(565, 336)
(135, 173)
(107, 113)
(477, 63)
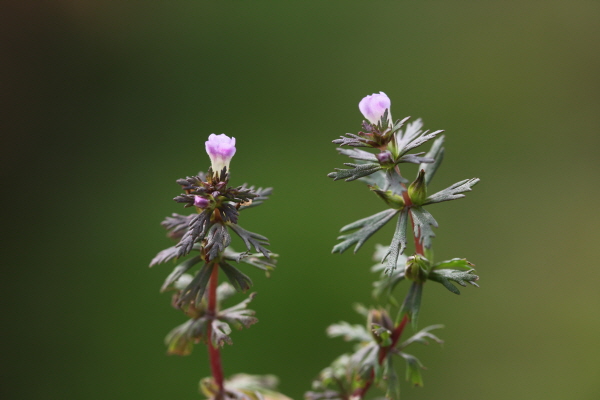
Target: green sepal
(382, 335)
(390, 198)
(417, 191)
(417, 268)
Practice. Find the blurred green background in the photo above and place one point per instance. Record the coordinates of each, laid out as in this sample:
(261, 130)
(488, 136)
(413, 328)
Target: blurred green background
(106, 103)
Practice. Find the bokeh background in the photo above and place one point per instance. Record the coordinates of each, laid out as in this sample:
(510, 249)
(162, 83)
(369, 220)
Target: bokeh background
(105, 104)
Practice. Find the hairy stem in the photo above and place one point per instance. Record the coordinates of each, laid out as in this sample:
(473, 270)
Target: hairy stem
(213, 351)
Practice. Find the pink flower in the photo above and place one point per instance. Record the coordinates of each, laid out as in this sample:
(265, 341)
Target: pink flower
(201, 202)
(373, 107)
(220, 149)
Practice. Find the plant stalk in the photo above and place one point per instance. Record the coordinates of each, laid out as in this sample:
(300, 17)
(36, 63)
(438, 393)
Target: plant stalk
(213, 351)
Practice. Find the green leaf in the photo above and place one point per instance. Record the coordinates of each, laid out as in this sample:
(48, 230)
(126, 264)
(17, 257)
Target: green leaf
(423, 222)
(376, 179)
(412, 303)
(239, 315)
(453, 192)
(216, 241)
(180, 270)
(257, 260)
(444, 276)
(398, 244)
(260, 193)
(178, 341)
(220, 333)
(168, 255)
(240, 281)
(357, 154)
(195, 290)
(455, 263)
(364, 359)
(357, 171)
(197, 229)
(413, 369)
(368, 226)
(349, 332)
(422, 336)
(251, 239)
(437, 154)
(392, 382)
(413, 137)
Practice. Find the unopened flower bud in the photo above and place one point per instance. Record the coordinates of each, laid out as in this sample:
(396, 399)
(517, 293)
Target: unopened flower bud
(417, 268)
(385, 158)
(220, 149)
(373, 107)
(417, 191)
(201, 202)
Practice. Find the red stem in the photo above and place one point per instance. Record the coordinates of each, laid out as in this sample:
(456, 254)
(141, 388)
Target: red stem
(213, 352)
(397, 333)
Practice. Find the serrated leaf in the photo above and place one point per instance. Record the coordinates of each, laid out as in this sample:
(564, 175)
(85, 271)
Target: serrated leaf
(412, 303)
(423, 222)
(455, 263)
(197, 229)
(177, 224)
(414, 159)
(251, 239)
(364, 359)
(195, 290)
(220, 333)
(261, 196)
(349, 332)
(357, 171)
(357, 154)
(368, 226)
(422, 336)
(413, 369)
(180, 270)
(239, 315)
(444, 276)
(216, 241)
(375, 179)
(178, 341)
(240, 281)
(437, 154)
(398, 243)
(257, 260)
(453, 192)
(413, 137)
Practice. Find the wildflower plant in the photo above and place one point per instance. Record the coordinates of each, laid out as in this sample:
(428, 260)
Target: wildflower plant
(203, 240)
(380, 341)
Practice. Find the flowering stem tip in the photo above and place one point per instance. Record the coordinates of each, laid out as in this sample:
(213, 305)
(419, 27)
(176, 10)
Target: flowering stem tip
(373, 107)
(220, 149)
